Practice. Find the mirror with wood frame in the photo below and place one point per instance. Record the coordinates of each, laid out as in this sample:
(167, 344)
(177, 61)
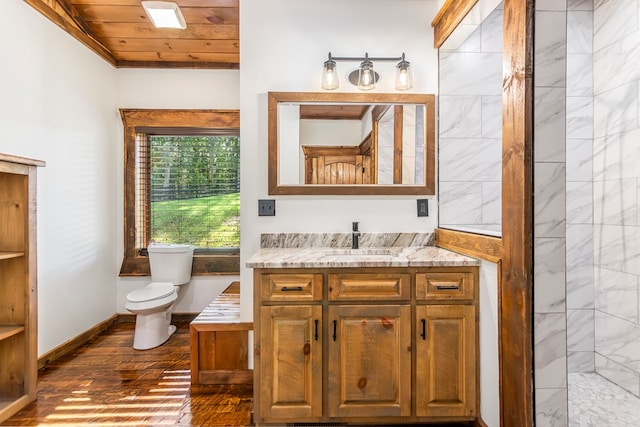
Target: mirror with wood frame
(351, 143)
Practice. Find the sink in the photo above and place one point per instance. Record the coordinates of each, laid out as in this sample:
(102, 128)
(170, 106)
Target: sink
(391, 251)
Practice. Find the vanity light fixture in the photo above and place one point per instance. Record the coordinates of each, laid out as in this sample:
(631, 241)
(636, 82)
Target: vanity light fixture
(365, 77)
(164, 14)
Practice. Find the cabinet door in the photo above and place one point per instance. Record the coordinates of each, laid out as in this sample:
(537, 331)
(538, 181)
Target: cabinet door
(369, 360)
(446, 360)
(291, 362)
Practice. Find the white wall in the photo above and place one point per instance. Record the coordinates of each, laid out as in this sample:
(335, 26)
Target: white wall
(284, 43)
(188, 89)
(57, 104)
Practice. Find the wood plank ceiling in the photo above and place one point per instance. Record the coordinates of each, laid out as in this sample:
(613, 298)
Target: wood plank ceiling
(121, 32)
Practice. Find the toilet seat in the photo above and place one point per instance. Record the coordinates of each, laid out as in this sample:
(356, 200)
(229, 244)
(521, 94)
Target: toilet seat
(154, 296)
(151, 292)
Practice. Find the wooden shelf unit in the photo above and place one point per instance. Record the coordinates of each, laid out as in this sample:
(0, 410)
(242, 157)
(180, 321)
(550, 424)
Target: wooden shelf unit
(18, 290)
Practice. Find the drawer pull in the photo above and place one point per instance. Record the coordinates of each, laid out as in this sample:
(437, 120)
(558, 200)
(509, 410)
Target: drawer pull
(424, 329)
(316, 333)
(291, 289)
(447, 287)
(335, 328)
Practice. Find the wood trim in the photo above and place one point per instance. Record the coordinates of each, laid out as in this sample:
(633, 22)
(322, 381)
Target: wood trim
(176, 64)
(86, 336)
(428, 188)
(133, 264)
(398, 113)
(76, 342)
(480, 422)
(488, 248)
(450, 15)
(515, 268)
(430, 144)
(21, 160)
(516, 288)
(68, 24)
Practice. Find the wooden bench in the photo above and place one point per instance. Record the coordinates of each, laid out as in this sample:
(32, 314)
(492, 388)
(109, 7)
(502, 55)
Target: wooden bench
(219, 342)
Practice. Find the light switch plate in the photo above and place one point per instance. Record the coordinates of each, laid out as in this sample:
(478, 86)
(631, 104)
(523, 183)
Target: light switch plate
(423, 207)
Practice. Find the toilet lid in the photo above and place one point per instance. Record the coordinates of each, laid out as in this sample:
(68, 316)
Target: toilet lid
(151, 291)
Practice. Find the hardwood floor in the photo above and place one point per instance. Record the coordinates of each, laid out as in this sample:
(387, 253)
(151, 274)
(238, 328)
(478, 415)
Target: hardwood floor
(108, 383)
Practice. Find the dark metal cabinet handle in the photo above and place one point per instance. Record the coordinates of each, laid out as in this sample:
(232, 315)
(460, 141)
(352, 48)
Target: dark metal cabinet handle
(424, 329)
(291, 289)
(447, 287)
(335, 329)
(316, 333)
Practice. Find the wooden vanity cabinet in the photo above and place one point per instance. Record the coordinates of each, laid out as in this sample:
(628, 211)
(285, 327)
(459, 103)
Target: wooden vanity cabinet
(291, 362)
(446, 371)
(377, 345)
(18, 291)
(369, 361)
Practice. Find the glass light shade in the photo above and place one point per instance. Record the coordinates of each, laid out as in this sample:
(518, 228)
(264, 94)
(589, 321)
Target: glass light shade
(366, 75)
(404, 79)
(164, 14)
(330, 75)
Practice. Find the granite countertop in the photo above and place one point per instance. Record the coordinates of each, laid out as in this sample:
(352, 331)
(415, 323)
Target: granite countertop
(376, 250)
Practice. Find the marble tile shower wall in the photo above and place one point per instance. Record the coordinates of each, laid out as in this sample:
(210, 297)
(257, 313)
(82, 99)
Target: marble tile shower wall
(580, 280)
(470, 144)
(616, 190)
(550, 231)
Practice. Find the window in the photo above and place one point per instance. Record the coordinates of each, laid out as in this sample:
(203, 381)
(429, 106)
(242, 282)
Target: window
(182, 186)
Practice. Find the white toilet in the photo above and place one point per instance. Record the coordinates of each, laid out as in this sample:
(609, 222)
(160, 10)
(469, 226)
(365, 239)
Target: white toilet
(170, 268)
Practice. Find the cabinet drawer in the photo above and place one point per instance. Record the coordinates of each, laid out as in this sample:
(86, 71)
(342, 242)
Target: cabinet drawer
(291, 287)
(371, 287)
(444, 286)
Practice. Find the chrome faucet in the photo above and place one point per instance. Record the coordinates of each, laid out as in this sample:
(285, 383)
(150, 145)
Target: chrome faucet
(355, 236)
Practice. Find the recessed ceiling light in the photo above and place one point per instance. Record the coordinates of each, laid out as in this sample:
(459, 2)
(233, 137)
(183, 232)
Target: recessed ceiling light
(164, 14)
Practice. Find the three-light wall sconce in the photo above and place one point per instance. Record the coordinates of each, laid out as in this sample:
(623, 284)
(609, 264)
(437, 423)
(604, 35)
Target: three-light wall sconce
(365, 77)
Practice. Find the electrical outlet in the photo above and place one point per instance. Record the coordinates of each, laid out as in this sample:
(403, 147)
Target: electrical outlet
(423, 207)
(266, 208)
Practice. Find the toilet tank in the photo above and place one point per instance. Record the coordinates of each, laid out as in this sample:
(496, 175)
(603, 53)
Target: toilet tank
(170, 262)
